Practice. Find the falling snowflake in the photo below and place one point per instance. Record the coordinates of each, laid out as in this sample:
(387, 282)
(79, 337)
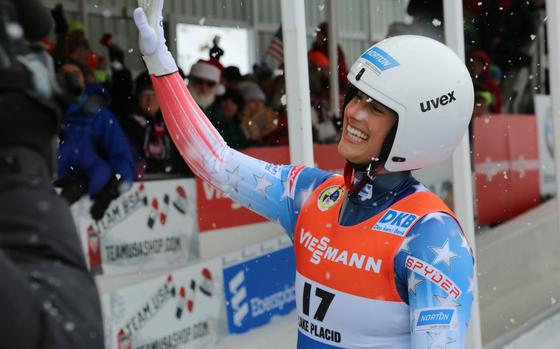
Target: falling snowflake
(284, 99)
(436, 22)
(130, 50)
(69, 326)
(202, 21)
(321, 7)
(533, 36)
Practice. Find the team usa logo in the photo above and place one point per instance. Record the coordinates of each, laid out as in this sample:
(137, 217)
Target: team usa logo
(125, 207)
(434, 275)
(167, 292)
(329, 197)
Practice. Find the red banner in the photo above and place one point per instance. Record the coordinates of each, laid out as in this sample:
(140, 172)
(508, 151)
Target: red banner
(506, 163)
(216, 211)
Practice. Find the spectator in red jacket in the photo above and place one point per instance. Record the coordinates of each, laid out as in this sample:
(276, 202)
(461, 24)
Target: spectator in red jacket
(479, 66)
(321, 44)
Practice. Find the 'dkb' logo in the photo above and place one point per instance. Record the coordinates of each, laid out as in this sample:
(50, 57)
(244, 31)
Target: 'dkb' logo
(395, 222)
(329, 197)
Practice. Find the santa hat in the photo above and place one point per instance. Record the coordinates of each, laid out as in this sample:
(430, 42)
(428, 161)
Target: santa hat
(208, 71)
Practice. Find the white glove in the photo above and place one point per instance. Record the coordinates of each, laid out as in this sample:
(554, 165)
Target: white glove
(149, 21)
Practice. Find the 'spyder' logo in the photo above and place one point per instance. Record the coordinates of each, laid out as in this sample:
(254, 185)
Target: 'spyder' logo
(379, 58)
(437, 102)
(434, 275)
(329, 197)
(239, 302)
(395, 222)
(434, 318)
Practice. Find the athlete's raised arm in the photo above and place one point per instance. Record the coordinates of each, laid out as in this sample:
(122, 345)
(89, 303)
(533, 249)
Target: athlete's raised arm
(267, 189)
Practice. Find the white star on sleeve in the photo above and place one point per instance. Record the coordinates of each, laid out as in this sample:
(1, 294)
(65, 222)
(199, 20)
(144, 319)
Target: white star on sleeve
(306, 193)
(234, 178)
(262, 184)
(437, 216)
(286, 192)
(471, 285)
(447, 302)
(405, 245)
(465, 244)
(413, 282)
(443, 254)
(439, 340)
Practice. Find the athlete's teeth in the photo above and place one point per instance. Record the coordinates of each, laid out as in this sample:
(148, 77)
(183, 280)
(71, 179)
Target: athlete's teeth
(357, 133)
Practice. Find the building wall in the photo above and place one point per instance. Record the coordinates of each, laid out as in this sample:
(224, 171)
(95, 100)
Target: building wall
(360, 21)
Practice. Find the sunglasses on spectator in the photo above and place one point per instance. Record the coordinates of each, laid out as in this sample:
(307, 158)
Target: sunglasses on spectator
(199, 81)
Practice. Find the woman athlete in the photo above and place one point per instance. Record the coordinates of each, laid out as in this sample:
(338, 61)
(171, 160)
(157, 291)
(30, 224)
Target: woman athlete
(381, 262)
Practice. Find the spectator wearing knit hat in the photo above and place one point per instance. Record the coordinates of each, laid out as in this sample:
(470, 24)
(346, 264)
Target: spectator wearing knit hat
(232, 104)
(147, 134)
(258, 120)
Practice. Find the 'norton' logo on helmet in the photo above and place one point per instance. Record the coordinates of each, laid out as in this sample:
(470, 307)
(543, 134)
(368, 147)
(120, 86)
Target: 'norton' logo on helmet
(380, 59)
(436, 103)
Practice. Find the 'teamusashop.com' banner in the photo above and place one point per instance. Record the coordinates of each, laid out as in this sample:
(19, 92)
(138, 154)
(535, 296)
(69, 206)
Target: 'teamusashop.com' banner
(180, 310)
(152, 225)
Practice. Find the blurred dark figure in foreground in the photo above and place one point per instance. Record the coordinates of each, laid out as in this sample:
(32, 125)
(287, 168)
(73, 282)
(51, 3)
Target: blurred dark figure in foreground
(48, 298)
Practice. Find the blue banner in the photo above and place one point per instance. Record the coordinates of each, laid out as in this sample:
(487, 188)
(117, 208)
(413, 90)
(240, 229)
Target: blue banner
(258, 289)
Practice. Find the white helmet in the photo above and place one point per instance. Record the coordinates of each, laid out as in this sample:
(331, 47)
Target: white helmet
(429, 88)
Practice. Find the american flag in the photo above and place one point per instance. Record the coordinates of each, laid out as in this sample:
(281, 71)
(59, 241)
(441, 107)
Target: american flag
(275, 49)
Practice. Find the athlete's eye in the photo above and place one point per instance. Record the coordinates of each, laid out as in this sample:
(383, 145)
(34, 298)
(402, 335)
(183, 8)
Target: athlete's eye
(374, 107)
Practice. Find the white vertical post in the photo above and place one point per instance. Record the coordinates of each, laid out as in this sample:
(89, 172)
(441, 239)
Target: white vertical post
(84, 15)
(462, 177)
(553, 26)
(296, 73)
(333, 58)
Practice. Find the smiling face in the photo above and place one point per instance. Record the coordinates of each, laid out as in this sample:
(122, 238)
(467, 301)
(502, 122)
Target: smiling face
(366, 124)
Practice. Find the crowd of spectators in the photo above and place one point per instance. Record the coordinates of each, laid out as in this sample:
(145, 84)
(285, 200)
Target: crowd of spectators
(497, 36)
(113, 130)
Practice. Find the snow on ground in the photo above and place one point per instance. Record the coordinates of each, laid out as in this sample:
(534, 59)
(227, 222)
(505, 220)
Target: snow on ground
(281, 333)
(543, 336)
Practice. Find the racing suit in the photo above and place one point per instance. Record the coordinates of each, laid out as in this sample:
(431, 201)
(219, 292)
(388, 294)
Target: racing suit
(387, 267)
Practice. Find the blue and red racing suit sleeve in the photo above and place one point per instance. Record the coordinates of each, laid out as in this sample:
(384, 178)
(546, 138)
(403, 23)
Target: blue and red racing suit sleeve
(274, 191)
(434, 272)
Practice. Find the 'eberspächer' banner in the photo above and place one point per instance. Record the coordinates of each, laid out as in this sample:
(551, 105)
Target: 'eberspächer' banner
(259, 284)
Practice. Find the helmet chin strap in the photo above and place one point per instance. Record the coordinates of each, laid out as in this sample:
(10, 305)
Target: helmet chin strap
(368, 171)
